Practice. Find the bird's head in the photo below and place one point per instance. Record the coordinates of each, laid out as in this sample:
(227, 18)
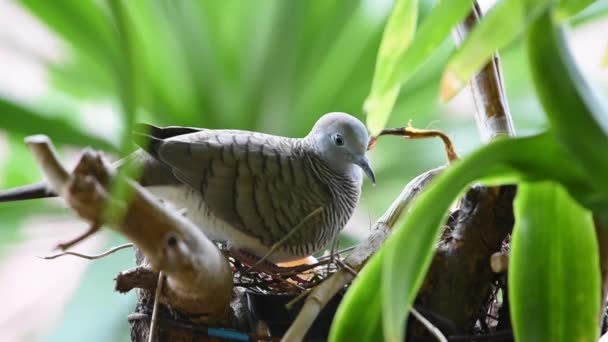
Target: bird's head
(341, 141)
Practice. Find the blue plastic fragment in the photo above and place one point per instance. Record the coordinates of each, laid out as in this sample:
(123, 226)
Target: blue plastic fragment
(228, 334)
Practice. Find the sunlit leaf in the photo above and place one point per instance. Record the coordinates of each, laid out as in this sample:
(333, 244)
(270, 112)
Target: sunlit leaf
(360, 319)
(597, 9)
(505, 21)
(554, 280)
(20, 167)
(86, 20)
(408, 251)
(404, 63)
(574, 109)
(125, 77)
(329, 77)
(21, 121)
(568, 8)
(397, 36)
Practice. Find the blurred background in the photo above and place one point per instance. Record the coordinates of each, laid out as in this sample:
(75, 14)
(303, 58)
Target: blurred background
(83, 71)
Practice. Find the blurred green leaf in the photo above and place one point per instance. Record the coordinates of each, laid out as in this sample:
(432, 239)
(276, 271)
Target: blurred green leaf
(125, 78)
(21, 121)
(568, 8)
(20, 167)
(576, 114)
(401, 65)
(505, 21)
(124, 71)
(598, 8)
(398, 35)
(408, 251)
(80, 23)
(554, 280)
(329, 78)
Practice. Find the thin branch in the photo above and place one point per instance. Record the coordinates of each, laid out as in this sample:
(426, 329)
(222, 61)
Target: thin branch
(199, 278)
(154, 321)
(427, 324)
(410, 132)
(492, 115)
(459, 279)
(86, 256)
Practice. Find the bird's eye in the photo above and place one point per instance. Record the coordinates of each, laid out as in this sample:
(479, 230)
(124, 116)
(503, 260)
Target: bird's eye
(338, 140)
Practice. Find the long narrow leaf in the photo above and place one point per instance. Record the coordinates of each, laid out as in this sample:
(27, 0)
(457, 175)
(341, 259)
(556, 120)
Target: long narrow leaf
(554, 280)
(431, 33)
(22, 121)
(397, 36)
(578, 116)
(568, 8)
(406, 255)
(507, 20)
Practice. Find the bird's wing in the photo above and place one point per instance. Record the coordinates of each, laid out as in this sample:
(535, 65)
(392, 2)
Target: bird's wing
(255, 182)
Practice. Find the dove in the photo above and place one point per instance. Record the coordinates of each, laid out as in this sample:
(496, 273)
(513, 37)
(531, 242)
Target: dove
(278, 197)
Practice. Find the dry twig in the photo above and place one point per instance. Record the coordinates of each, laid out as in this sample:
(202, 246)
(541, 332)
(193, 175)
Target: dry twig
(86, 256)
(199, 279)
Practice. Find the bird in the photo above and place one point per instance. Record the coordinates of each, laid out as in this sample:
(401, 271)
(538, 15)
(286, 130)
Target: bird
(268, 196)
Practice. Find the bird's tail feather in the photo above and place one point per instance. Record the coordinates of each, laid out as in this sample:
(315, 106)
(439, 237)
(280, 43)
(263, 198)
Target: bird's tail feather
(152, 138)
(26, 192)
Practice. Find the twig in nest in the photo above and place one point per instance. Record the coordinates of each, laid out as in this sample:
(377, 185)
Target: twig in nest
(410, 132)
(346, 267)
(280, 243)
(427, 324)
(155, 309)
(298, 298)
(86, 256)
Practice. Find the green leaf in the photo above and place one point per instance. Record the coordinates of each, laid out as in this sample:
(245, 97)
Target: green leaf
(124, 71)
(576, 114)
(397, 36)
(507, 20)
(554, 280)
(568, 8)
(405, 256)
(20, 167)
(125, 77)
(81, 23)
(21, 121)
(596, 10)
(362, 300)
(431, 33)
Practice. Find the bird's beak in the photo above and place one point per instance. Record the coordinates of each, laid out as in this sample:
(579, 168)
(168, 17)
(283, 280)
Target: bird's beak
(364, 163)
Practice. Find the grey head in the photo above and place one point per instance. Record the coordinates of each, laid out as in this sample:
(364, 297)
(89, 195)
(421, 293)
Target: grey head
(341, 141)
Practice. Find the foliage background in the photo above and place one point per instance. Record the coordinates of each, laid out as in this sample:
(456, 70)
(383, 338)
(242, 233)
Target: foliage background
(70, 69)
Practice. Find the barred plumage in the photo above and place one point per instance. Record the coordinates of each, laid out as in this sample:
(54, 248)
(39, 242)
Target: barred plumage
(253, 190)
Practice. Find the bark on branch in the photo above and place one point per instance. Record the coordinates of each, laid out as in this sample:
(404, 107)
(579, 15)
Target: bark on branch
(199, 278)
(459, 279)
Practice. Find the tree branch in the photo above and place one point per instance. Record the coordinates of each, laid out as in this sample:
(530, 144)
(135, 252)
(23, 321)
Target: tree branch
(460, 277)
(199, 278)
(492, 116)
